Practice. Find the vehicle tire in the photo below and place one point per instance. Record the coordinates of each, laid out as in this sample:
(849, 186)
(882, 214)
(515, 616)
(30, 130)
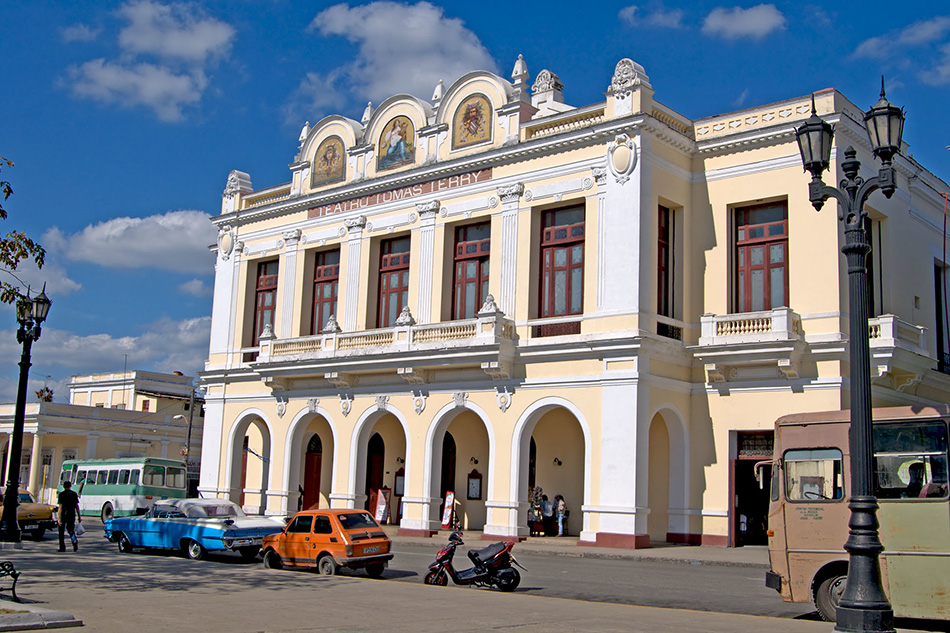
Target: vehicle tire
(437, 578)
(125, 545)
(272, 560)
(827, 596)
(38, 534)
(194, 550)
(375, 570)
(326, 565)
(508, 579)
(250, 552)
(107, 512)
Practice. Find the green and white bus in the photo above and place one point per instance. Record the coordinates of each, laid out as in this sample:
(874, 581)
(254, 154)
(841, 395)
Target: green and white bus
(124, 486)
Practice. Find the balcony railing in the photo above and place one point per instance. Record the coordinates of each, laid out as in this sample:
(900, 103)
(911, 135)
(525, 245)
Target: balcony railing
(486, 333)
(888, 331)
(781, 324)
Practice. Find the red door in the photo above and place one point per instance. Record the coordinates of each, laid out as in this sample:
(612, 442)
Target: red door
(311, 489)
(375, 454)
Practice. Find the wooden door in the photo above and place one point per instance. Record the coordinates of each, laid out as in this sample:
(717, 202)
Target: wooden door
(311, 476)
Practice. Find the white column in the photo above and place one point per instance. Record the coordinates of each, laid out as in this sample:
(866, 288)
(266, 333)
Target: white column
(224, 304)
(510, 198)
(36, 463)
(427, 211)
(353, 273)
(288, 276)
(91, 440)
(211, 439)
(619, 235)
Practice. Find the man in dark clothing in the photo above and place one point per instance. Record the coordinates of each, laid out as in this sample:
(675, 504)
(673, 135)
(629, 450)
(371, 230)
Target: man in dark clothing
(68, 513)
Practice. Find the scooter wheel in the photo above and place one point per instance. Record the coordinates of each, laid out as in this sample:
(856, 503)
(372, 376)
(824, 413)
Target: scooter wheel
(436, 578)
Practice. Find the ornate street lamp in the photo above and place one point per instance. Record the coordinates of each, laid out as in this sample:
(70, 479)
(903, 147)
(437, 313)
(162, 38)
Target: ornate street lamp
(29, 314)
(863, 605)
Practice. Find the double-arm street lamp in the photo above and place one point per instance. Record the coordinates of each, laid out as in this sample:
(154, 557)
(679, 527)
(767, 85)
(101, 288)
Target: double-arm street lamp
(863, 605)
(29, 314)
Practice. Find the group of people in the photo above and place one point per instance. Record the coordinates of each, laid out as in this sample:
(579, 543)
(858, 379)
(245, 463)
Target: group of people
(544, 512)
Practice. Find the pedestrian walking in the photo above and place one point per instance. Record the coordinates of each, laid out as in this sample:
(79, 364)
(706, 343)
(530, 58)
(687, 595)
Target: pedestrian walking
(560, 509)
(67, 514)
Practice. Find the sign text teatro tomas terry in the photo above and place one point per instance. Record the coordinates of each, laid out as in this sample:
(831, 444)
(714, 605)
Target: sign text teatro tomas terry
(401, 193)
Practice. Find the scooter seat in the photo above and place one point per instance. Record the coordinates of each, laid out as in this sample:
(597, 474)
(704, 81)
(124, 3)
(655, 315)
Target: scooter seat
(482, 556)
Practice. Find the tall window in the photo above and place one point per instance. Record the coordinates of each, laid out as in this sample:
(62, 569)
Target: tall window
(393, 280)
(761, 257)
(472, 247)
(562, 262)
(326, 283)
(265, 298)
(664, 270)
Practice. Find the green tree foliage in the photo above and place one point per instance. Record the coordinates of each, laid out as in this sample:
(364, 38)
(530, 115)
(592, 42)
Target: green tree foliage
(15, 247)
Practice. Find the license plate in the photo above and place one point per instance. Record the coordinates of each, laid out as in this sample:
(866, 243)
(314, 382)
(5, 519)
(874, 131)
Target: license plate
(371, 550)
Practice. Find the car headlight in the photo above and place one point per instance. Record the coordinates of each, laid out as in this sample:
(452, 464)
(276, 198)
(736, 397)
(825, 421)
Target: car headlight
(228, 543)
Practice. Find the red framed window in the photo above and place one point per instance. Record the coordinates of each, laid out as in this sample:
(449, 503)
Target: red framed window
(562, 262)
(761, 257)
(472, 249)
(393, 280)
(326, 285)
(664, 247)
(265, 298)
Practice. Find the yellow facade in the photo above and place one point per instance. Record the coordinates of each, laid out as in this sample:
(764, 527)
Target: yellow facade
(525, 293)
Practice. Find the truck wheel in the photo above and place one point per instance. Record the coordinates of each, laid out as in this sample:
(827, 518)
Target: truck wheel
(326, 565)
(38, 534)
(828, 595)
(107, 512)
(375, 570)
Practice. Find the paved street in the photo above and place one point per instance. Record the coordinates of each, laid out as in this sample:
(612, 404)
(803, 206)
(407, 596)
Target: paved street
(110, 592)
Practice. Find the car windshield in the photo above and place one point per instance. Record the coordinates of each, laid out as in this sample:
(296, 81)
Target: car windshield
(25, 497)
(357, 521)
(223, 509)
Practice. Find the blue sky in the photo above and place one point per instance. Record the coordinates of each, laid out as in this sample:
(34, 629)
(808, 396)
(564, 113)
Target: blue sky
(124, 119)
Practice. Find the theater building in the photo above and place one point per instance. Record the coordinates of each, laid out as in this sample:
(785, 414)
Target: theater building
(493, 290)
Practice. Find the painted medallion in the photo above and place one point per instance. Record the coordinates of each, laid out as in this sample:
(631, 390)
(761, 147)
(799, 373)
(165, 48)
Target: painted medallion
(396, 144)
(329, 164)
(472, 122)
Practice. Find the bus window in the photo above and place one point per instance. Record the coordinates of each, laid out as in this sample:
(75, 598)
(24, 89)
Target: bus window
(113, 477)
(84, 475)
(123, 476)
(134, 477)
(153, 475)
(65, 476)
(175, 477)
(813, 475)
(910, 460)
(101, 477)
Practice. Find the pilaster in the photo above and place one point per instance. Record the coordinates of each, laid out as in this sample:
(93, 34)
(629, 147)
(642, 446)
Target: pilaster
(354, 250)
(510, 207)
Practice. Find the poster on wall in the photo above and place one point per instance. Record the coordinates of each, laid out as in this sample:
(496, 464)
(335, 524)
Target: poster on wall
(447, 512)
(382, 505)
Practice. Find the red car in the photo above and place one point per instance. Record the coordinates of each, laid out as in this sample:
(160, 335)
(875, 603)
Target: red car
(328, 540)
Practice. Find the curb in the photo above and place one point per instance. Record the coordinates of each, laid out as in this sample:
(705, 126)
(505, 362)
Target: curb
(33, 618)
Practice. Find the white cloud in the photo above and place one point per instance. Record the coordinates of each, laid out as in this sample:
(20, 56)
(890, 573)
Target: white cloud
(165, 346)
(316, 93)
(155, 87)
(895, 49)
(176, 241)
(52, 274)
(196, 287)
(741, 99)
(175, 31)
(167, 51)
(401, 48)
(658, 16)
(735, 23)
(79, 33)
(939, 75)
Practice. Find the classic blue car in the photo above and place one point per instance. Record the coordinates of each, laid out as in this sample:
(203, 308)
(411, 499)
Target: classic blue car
(195, 526)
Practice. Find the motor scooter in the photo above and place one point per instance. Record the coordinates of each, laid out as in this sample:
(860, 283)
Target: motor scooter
(492, 566)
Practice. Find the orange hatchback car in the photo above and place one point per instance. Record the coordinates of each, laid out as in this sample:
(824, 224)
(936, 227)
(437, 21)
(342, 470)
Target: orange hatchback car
(328, 540)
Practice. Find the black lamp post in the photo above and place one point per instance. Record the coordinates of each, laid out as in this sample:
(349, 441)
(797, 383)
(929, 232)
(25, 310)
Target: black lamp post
(29, 314)
(863, 605)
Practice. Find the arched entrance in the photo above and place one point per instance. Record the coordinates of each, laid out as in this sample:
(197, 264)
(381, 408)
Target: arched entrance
(658, 481)
(313, 465)
(378, 461)
(249, 464)
(553, 455)
(448, 465)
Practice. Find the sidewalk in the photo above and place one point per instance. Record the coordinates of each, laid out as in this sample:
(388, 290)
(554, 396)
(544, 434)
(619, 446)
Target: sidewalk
(749, 556)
